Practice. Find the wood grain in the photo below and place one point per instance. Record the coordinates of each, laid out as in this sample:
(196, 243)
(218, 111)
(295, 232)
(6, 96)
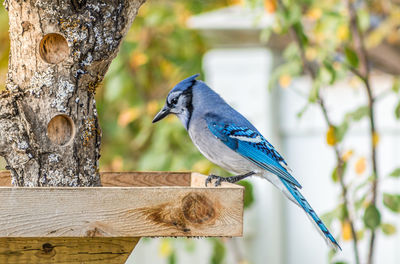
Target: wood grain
(126, 179)
(142, 179)
(66, 250)
(121, 211)
(5, 178)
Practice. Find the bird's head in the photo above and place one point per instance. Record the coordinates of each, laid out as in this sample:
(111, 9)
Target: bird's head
(179, 101)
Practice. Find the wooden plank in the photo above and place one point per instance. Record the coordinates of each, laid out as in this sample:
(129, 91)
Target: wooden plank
(66, 250)
(5, 178)
(199, 180)
(125, 179)
(142, 179)
(121, 211)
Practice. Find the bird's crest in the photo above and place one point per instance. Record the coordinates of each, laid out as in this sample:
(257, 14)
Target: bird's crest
(185, 84)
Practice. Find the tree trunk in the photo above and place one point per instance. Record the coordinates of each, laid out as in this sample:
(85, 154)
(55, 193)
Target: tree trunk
(60, 52)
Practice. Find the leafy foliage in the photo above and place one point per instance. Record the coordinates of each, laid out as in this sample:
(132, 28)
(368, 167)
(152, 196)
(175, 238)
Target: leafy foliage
(392, 202)
(328, 48)
(218, 251)
(372, 217)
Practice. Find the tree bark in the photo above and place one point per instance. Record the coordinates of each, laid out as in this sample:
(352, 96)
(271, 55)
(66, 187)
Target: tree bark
(59, 53)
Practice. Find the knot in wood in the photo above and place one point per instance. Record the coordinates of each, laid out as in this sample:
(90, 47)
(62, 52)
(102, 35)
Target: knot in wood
(47, 248)
(197, 208)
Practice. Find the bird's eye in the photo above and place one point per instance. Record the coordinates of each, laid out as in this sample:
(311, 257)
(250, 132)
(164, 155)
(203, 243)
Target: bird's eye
(174, 101)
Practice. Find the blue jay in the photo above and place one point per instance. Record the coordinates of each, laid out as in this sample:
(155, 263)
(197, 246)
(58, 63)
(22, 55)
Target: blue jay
(229, 140)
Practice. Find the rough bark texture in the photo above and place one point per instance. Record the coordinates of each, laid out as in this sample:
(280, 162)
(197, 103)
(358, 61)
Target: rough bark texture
(60, 52)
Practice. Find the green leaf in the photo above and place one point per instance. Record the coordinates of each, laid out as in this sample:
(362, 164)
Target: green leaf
(335, 176)
(248, 193)
(372, 217)
(358, 204)
(172, 258)
(360, 234)
(358, 114)
(190, 246)
(396, 85)
(340, 262)
(363, 19)
(338, 213)
(397, 111)
(302, 111)
(340, 131)
(331, 71)
(392, 201)
(218, 254)
(351, 57)
(313, 96)
(395, 173)
(388, 229)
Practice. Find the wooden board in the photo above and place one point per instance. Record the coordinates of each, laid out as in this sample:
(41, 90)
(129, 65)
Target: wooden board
(128, 179)
(103, 224)
(66, 250)
(124, 211)
(5, 178)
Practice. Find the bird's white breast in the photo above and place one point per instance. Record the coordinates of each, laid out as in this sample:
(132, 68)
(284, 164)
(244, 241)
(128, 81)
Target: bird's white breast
(216, 151)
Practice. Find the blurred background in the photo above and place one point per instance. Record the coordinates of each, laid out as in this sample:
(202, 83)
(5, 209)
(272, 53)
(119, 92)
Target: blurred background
(313, 76)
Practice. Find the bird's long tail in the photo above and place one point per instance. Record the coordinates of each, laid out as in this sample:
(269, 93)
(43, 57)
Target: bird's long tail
(322, 229)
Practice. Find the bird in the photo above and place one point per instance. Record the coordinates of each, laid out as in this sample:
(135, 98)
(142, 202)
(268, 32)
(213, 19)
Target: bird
(229, 140)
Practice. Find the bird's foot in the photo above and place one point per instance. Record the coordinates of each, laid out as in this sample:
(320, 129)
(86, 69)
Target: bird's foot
(231, 179)
(215, 177)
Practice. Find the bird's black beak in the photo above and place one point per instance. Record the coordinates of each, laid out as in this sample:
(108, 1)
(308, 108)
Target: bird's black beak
(163, 113)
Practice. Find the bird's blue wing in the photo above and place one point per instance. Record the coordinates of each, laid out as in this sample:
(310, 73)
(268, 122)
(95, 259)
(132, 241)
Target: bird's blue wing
(253, 146)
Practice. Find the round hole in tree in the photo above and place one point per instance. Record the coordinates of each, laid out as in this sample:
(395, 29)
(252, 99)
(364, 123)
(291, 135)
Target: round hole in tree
(61, 130)
(53, 48)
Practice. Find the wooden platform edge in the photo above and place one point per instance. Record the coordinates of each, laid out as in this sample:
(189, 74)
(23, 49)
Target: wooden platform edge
(129, 179)
(187, 211)
(66, 250)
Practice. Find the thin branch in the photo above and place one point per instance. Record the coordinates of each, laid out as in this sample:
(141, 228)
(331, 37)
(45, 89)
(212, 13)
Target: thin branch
(364, 71)
(340, 163)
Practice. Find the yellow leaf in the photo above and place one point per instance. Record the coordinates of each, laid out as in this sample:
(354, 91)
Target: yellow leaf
(342, 32)
(170, 119)
(360, 234)
(354, 82)
(137, 59)
(361, 165)
(375, 38)
(285, 80)
(166, 68)
(330, 136)
(127, 116)
(270, 6)
(346, 231)
(375, 139)
(165, 249)
(336, 65)
(319, 37)
(311, 53)
(117, 164)
(203, 166)
(314, 13)
(236, 2)
(152, 107)
(393, 37)
(347, 155)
